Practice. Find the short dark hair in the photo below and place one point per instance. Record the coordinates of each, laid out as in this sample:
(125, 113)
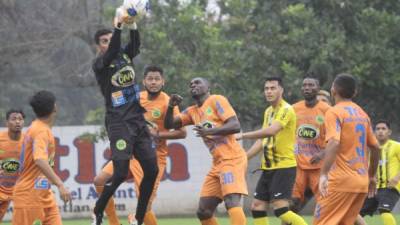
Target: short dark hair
(100, 33)
(386, 122)
(11, 111)
(153, 68)
(311, 75)
(278, 79)
(43, 103)
(345, 85)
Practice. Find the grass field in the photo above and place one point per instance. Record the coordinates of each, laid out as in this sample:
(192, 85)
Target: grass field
(222, 221)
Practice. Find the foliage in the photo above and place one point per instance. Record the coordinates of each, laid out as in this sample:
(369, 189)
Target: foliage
(235, 47)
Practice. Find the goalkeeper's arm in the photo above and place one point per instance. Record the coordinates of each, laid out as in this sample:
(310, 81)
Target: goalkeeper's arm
(132, 49)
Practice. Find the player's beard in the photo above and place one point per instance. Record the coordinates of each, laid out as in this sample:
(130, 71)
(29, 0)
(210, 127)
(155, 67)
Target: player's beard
(153, 93)
(310, 98)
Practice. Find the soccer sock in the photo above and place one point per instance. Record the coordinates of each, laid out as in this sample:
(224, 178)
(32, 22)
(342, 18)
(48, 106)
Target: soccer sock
(150, 218)
(260, 217)
(292, 218)
(110, 208)
(236, 216)
(211, 221)
(121, 168)
(388, 219)
(150, 172)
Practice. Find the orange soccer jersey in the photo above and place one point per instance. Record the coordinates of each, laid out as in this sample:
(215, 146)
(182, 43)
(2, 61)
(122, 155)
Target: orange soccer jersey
(32, 189)
(213, 113)
(229, 159)
(310, 133)
(9, 150)
(348, 181)
(347, 123)
(155, 113)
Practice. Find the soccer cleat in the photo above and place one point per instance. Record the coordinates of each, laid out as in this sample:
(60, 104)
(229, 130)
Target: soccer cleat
(131, 219)
(97, 219)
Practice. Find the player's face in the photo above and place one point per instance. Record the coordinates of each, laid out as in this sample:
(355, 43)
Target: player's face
(153, 82)
(310, 89)
(104, 42)
(382, 132)
(198, 87)
(323, 98)
(15, 122)
(272, 91)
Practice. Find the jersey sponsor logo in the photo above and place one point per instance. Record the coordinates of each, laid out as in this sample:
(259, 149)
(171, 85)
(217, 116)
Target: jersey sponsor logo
(42, 183)
(207, 124)
(10, 165)
(125, 77)
(118, 98)
(121, 144)
(156, 113)
(308, 132)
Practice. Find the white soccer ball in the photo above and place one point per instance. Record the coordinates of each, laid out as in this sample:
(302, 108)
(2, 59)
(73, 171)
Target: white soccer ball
(136, 8)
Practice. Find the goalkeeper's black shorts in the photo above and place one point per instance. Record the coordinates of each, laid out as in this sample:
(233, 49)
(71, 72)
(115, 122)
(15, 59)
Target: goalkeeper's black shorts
(129, 139)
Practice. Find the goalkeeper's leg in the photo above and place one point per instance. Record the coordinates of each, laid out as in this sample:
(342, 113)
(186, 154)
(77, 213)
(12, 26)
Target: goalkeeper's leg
(99, 181)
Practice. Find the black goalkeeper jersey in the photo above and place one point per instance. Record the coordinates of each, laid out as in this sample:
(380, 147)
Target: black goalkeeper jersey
(117, 79)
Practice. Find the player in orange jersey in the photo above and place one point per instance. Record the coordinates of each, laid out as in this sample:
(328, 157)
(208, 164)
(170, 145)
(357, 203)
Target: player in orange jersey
(346, 176)
(155, 101)
(216, 122)
(34, 202)
(10, 147)
(310, 141)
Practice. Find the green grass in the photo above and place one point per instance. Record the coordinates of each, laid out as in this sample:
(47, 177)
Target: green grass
(222, 221)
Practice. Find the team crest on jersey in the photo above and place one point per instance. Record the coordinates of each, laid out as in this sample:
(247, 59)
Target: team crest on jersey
(37, 222)
(209, 111)
(10, 165)
(308, 132)
(125, 77)
(156, 113)
(121, 144)
(320, 119)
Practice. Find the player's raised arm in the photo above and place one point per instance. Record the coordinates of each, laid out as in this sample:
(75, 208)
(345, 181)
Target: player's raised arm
(115, 43)
(132, 49)
(170, 121)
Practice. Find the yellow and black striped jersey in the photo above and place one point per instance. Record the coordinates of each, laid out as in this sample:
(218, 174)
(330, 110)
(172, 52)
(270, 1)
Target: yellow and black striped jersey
(389, 164)
(278, 150)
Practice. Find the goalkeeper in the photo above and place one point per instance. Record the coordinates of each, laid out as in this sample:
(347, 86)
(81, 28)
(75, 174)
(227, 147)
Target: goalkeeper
(125, 123)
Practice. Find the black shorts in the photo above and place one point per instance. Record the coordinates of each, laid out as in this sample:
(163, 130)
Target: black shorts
(129, 138)
(385, 199)
(275, 184)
